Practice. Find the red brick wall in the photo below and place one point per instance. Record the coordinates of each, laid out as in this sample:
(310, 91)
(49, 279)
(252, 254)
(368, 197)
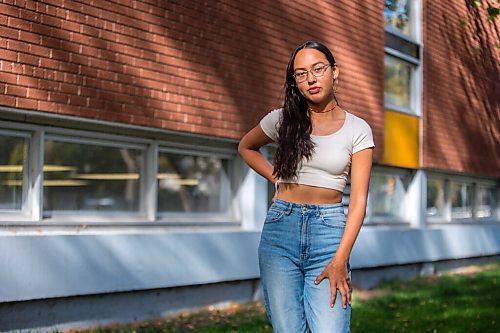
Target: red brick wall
(461, 89)
(181, 65)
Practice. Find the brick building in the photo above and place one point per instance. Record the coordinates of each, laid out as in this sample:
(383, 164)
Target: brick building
(119, 122)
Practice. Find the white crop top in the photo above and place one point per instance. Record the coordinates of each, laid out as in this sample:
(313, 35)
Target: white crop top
(330, 163)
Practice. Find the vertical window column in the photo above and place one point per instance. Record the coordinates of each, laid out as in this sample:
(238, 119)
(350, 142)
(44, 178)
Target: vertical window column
(402, 102)
(150, 202)
(402, 88)
(35, 189)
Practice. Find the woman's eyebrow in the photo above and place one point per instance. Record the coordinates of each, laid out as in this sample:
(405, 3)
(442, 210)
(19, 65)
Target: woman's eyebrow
(319, 62)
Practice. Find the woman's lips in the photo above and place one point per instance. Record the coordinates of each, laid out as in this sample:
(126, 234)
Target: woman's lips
(314, 90)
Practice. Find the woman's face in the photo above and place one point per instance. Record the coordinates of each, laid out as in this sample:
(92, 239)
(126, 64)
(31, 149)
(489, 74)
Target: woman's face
(314, 76)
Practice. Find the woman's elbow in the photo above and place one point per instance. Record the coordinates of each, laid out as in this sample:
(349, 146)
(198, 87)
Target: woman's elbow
(241, 147)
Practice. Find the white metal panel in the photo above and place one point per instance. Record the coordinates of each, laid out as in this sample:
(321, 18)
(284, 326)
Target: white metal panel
(36, 267)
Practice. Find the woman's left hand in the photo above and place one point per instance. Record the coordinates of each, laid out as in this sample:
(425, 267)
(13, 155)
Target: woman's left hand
(336, 273)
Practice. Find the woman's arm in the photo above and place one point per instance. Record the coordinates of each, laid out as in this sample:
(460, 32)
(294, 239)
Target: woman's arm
(336, 270)
(249, 149)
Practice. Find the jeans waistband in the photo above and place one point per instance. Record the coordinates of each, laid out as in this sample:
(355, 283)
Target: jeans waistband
(319, 208)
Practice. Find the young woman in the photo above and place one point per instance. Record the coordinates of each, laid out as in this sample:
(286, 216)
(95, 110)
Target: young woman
(307, 239)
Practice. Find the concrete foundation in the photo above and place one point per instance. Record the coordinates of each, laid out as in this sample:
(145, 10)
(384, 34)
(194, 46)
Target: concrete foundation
(370, 277)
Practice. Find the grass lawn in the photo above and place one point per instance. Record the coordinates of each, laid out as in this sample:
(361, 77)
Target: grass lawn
(467, 302)
(451, 303)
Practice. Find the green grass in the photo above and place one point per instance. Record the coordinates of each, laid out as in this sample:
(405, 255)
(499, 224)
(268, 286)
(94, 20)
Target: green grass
(455, 303)
(450, 303)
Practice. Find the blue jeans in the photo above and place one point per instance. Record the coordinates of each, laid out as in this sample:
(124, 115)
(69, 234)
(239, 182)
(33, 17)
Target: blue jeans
(297, 242)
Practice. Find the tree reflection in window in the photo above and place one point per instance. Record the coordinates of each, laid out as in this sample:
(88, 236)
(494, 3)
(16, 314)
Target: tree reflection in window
(90, 177)
(13, 157)
(194, 184)
(461, 200)
(388, 195)
(435, 198)
(397, 83)
(397, 15)
(486, 201)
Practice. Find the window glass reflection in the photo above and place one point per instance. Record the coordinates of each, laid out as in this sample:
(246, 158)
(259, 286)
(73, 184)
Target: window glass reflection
(435, 198)
(397, 82)
(461, 200)
(486, 201)
(398, 15)
(91, 178)
(13, 158)
(192, 184)
(387, 194)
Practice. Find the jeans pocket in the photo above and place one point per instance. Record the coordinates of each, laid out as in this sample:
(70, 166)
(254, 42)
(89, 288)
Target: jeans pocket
(335, 220)
(274, 215)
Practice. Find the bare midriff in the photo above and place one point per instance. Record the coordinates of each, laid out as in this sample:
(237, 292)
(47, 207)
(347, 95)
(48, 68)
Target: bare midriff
(305, 194)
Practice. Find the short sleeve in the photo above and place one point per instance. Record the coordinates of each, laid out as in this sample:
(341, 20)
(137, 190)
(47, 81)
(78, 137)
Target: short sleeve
(362, 137)
(269, 124)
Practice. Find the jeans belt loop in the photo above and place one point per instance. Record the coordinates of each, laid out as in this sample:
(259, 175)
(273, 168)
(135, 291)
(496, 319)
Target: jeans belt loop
(289, 208)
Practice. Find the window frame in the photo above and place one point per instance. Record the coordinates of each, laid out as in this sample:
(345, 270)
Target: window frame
(412, 101)
(370, 219)
(82, 215)
(200, 217)
(445, 212)
(416, 73)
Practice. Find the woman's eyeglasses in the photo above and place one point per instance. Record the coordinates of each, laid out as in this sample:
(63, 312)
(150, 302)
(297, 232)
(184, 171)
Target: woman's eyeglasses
(317, 71)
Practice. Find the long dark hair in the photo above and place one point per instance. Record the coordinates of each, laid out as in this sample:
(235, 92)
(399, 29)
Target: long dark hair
(294, 133)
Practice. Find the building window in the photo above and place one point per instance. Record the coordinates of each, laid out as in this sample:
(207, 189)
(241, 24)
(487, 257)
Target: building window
(79, 176)
(461, 200)
(189, 183)
(486, 201)
(60, 176)
(398, 16)
(13, 158)
(397, 84)
(402, 59)
(388, 196)
(436, 198)
(454, 199)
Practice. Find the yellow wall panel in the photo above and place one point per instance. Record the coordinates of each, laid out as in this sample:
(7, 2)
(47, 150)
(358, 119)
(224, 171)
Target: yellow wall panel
(401, 140)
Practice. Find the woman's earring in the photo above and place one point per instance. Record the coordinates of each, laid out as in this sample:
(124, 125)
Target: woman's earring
(335, 86)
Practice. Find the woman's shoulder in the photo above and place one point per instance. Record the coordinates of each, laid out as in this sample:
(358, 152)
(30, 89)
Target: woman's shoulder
(273, 116)
(276, 112)
(357, 122)
(269, 123)
(361, 133)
